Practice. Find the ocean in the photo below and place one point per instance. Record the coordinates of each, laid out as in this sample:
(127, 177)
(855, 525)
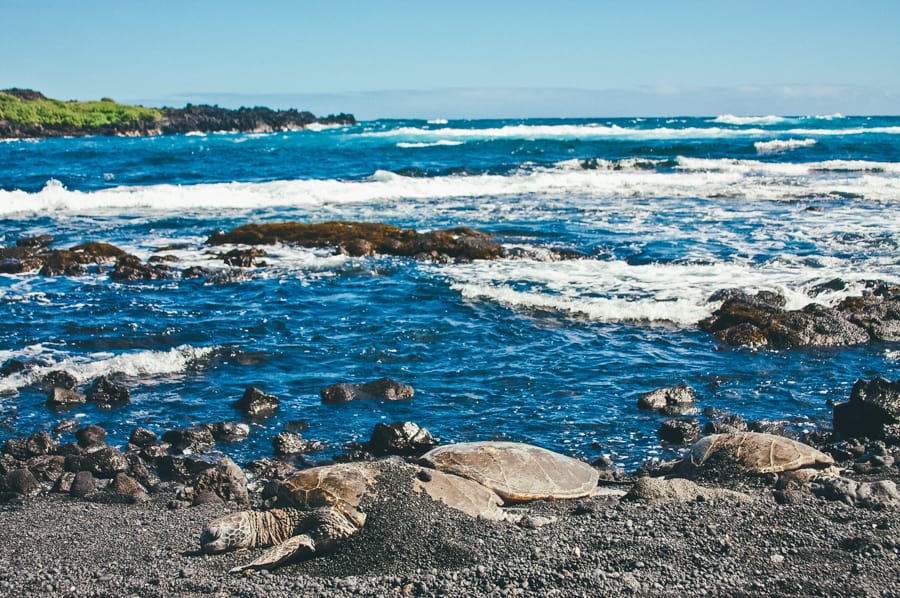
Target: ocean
(666, 211)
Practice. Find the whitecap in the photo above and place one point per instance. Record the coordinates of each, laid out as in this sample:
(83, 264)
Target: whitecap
(137, 364)
(731, 119)
(778, 146)
(439, 142)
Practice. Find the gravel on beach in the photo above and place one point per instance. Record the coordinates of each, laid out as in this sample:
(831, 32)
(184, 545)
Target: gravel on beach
(410, 545)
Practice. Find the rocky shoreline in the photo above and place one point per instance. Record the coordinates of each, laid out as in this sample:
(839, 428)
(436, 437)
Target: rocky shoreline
(86, 518)
(83, 517)
(171, 121)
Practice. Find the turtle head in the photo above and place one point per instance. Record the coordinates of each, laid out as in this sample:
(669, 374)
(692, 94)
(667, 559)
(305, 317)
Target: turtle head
(228, 533)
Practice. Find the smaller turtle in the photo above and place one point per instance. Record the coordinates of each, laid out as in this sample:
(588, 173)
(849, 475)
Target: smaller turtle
(751, 452)
(319, 507)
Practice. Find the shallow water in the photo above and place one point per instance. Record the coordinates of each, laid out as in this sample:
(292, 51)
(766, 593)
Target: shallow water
(666, 212)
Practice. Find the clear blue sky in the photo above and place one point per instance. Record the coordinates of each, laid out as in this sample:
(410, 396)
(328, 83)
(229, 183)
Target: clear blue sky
(464, 58)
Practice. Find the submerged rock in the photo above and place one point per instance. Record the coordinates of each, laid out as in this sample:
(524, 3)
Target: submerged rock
(363, 238)
(383, 388)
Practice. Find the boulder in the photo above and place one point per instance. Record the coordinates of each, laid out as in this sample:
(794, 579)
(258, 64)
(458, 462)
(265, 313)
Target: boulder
(83, 484)
(106, 392)
(290, 443)
(105, 462)
(40, 443)
(127, 489)
(59, 379)
(680, 431)
(873, 411)
(190, 440)
(130, 268)
(401, 438)
(65, 426)
(22, 481)
(142, 438)
(244, 258)
(256, 403)
(47, 468)
(62, 263)
(672, 400)
(64, 397)
(229, 431)
(12, 366)
(91, 437)
(225, 480)
(384, 388)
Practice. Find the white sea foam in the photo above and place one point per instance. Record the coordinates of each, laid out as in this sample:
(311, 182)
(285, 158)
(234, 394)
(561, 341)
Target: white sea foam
(612, 131)
(439, 142)
(437, 121)
(615, 291)
(731, 119)
(692, 177)
(778, 146)
(138, 364)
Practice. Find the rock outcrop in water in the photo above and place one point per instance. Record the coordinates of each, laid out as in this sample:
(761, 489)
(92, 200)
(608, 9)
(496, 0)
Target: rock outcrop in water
(761, 321)
(364, 238)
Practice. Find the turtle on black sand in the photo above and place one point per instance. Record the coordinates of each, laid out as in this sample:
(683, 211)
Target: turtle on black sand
(319, 507)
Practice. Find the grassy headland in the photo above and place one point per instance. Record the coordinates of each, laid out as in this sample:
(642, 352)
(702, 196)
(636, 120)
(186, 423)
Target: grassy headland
(27, 113)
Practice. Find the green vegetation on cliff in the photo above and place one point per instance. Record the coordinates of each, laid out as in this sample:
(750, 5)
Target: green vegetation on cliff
(28, 107)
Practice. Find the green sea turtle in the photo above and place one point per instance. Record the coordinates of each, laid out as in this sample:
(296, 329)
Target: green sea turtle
(319, 507)
(751, 452)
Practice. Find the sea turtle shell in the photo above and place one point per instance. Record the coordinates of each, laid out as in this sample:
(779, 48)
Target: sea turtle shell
(462, 494)
(753, 452)
(341, 486)
(515, 471)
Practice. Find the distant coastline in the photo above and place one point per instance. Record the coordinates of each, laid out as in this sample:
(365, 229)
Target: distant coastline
(25, 113)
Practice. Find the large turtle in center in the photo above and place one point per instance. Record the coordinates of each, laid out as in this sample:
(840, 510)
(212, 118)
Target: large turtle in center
(319, 507)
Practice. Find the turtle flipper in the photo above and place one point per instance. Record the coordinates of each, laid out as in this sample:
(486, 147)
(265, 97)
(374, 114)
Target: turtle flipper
(295, 548)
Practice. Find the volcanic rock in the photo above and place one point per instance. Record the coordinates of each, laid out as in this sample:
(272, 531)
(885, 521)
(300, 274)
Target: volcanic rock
(673, 400)
(59, 379)
(129, 267)
(290, 443)
(225, 480)
(105, 462)
(106, 392)
(22, 481)
(255, 403)
(873, 411)
(362, 238)
(63, 397)
(401, 438)
(91, 436)
(83, 484)
(680, 431)
(384, 388)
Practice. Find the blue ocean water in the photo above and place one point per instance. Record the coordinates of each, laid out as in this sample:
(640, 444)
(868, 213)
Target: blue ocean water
(666, 212)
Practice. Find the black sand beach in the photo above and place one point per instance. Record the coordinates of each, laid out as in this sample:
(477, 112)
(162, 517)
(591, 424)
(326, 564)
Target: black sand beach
(59, 546)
